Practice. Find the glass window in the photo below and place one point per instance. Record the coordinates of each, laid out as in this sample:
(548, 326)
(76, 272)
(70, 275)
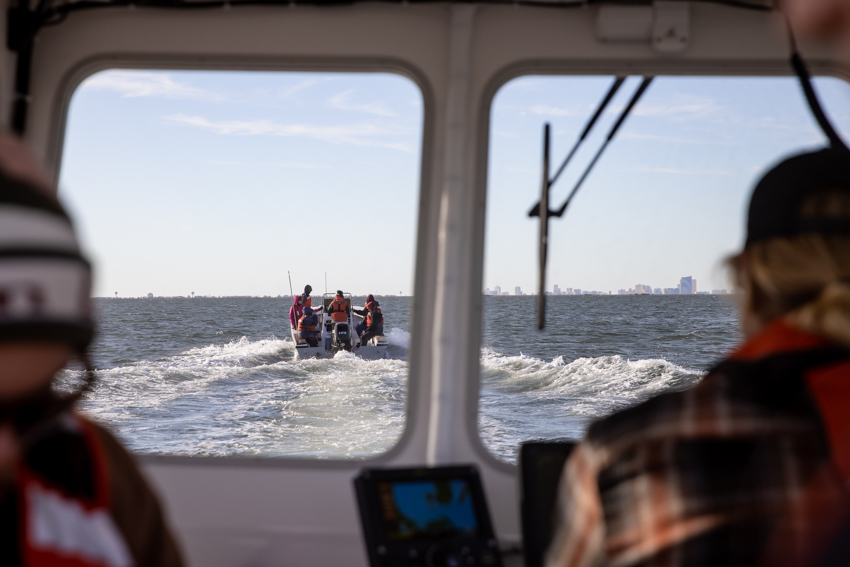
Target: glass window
(200, 196)
(641, 301)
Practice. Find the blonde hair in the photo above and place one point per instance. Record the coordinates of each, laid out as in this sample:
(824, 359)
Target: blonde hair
(804, 278)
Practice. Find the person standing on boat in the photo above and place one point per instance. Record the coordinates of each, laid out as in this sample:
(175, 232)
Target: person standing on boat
(70, 494)
(339, 308)
(306, 300)
(307, 327)
(296, 310)
(750, 466)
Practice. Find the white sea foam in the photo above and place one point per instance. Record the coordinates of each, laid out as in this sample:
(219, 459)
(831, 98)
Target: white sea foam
(528, 398)
(251, 397)
(398, 337)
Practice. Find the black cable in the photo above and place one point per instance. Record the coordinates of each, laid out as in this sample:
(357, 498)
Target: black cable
(618, 82)
(815, 106)
(635, 98)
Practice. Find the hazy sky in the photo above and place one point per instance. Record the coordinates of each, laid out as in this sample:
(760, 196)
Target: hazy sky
(668, 197)
(220, 182)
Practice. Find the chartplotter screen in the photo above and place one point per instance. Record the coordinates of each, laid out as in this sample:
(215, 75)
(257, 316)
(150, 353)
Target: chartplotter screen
(425, 510)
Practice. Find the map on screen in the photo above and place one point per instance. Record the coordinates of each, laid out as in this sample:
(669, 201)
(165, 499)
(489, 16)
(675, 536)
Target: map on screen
(427, 509)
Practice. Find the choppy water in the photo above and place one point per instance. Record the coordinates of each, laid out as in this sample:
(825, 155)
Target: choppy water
(597, 355)
(217, 376)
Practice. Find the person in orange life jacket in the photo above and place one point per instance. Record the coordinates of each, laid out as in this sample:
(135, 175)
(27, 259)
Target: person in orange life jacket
(373, 325)
(296, 310)
(70, 495)
(362, 326)
(339, 308)
(307, 327)
(751, 466)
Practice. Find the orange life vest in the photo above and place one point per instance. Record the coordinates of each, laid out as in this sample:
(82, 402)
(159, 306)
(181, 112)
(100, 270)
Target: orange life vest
(64, 531)
(338, 309)
(303, 327)
(378, 316)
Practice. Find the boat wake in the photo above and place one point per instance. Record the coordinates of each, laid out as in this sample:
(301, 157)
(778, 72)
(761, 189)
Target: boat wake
(525, 398)
(251, 397)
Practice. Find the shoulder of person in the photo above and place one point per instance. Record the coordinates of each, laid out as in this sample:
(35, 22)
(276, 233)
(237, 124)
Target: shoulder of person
(726, 402)
(135, 508)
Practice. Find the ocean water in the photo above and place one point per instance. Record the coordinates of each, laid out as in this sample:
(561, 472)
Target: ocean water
(218, 377)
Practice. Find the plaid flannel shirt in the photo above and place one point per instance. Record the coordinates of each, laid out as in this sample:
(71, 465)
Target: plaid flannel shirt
(738, 470)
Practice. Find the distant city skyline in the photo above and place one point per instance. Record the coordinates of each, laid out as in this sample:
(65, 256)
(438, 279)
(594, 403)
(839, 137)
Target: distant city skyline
(687, 286)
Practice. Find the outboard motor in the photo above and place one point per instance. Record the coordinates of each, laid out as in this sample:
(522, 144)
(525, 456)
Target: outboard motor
(341, 337)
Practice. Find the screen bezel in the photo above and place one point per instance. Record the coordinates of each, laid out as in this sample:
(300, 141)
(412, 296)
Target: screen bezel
(537, 529)
(366, 484)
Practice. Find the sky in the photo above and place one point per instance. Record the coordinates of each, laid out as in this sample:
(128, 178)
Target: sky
(668, 197)
(220, 183)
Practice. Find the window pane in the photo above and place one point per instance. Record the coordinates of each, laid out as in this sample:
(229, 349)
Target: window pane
(666, 201)
(199, 194)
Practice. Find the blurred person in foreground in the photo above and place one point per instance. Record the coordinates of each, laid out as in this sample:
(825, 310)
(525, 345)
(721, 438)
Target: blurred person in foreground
(70, 495)
(821, 19)
(751, 465)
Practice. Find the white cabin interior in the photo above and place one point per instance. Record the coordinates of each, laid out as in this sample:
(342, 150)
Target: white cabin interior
(302, 512)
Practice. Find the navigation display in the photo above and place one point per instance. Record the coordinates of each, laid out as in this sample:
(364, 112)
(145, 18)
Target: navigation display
(416, 510)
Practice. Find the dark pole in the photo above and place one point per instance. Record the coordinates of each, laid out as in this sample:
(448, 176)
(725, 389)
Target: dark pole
(22, 26)
(544, 233)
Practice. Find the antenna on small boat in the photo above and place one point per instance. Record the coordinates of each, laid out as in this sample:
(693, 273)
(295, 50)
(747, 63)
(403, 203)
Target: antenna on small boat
(542, 208)
(290, 283)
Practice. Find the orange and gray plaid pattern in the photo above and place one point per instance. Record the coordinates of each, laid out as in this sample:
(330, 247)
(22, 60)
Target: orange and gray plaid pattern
(735, 471)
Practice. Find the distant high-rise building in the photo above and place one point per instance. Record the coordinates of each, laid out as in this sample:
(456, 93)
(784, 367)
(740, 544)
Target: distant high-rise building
(641, 289)
(658, 291)
(686, 285)
(517, 291)
(568, 291)
(497, 291)
(556, 290)
(694, 287)
(577, 291)
(671, 291)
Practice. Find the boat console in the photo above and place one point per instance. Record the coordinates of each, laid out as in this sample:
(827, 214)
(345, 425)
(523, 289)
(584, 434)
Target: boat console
(429, 517)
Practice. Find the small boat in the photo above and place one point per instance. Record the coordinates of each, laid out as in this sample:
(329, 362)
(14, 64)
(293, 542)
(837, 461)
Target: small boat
(338, 336)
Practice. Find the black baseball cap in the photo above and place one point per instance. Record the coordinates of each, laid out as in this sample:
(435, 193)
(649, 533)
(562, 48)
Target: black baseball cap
(775, 206)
